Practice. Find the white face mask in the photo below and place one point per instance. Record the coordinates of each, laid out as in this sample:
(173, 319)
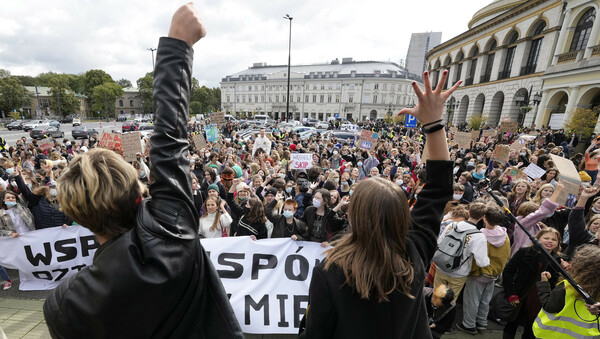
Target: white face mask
(317, 203)
(53, 192)
(457, 196)
(399, 182)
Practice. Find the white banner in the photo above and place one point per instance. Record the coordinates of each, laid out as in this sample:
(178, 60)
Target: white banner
(47, 257)
(267, 280)
(301, 160)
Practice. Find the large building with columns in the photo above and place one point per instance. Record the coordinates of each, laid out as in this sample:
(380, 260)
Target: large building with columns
(523, 60)
(351, 90)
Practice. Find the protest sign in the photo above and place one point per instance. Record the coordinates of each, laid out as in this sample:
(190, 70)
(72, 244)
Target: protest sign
(146, 146)
(111, 141)
(534, 171)
(475, 135)
(47, 257)
(46, 144)
(131, 144)
(463, 139)
(488, 133)
(199, 141)
(212, 133)
(301, 160)
(268, 280)
(217, 118)
(509, 126)
(569, 177)
(368, 140)
(517, 173)
(501, 153)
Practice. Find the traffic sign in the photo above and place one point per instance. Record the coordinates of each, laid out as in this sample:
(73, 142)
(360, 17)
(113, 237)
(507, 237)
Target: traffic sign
(411, 121)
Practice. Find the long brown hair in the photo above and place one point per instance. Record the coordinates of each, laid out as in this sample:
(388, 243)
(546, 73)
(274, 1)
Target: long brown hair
(217, 215)
(373, 256)
(584, 269)
(257, 211)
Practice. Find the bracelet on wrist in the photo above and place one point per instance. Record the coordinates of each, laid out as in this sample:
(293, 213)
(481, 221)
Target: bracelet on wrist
(432, 129)
(432, 123)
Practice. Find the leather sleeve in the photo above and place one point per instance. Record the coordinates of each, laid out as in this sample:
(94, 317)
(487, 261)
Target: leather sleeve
(172, 204)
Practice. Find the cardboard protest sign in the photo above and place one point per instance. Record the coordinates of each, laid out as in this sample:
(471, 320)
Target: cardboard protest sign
(199, 141)
(453, 129)
(534, 171)
(368, 140)
(131, 144)
(569, 177)
(463, 139)
(301, 160)
(488, 133)
(46, 143)
(501, 153)
(217, 118)
(212, 133)
(509, 126)
(516, 173)
(111, 141)
(475, 135)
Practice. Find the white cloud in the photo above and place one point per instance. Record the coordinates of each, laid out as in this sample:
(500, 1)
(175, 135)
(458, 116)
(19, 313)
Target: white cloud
(73, 36)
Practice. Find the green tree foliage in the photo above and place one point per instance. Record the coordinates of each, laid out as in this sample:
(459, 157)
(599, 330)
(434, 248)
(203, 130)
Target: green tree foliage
(104, 97)
(210, 98)
(476, 121)
(146, 89)
(583, 121)
(93, 78)
(13, 95)
(195, 107)
(62, 98)
(4, 73)
(124, 83)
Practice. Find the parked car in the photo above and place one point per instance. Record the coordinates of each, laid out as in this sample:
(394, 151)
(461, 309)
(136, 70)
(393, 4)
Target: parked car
(33, 124)
(44, 131)
(83, 132)
(121, 118)
(311, 122)
(76, 122)
(16, 125)
(66, 120)
(322, 125)
(54, 123)
(130, 126)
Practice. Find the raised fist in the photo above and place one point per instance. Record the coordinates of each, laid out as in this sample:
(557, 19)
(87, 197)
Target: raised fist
(186, 25)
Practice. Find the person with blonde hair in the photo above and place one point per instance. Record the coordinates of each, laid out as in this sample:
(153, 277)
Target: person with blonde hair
(371, 282)
(150, 277)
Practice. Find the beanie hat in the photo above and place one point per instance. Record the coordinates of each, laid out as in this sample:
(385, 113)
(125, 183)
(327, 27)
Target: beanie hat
(238, 171)
(293, 147)
(213, 187)
(584, 176)
(271, 190)
(213, 166)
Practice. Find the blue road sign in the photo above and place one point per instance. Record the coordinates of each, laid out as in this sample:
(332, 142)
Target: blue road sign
(410, 122)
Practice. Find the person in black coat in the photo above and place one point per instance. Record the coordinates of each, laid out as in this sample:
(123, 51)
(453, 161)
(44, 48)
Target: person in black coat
(250, 216)
(578, 234)
(370, 284)
(285, 225)
(150, 277)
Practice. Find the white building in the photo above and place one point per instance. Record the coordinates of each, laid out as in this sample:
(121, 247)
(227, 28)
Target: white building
(352, 90)
(501, 59)
(420, 44)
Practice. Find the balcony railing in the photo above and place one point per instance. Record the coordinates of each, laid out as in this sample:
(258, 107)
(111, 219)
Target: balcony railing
(484, 78)
(528, 69)
(567, 57)
(504, 75)
(595, 51)
(469, 82)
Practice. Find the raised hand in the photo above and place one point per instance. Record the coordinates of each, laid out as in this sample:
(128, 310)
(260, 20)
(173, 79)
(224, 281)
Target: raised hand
(186, 25)
(431, 102)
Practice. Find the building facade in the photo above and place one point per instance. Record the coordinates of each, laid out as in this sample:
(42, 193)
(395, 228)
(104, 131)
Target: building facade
(501, 59)
(351, 90)
(39, 105)
(420, 44)
(130, 103)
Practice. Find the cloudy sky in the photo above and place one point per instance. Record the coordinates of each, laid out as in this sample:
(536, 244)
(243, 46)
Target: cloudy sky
(73, 36)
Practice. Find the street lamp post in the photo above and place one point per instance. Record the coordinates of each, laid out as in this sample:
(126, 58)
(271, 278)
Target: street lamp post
(287, 102)
(152, 50)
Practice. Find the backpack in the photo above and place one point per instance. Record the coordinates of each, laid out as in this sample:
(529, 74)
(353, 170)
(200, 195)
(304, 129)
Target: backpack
(448, 255)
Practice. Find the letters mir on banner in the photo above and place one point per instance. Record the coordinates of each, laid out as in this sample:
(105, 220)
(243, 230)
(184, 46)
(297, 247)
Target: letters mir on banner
(267, 280)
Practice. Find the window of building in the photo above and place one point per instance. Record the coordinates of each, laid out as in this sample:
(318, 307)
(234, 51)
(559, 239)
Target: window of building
(243, 98)
(471, 77)
(350, 97)
(376, 86)
(510, 55)
(338, 86)
(583, 30)
(256, 98)
(366, 99)
(314, 98)
(227, 98)
(262, 98)
(314, 86)
(352, 86)
(277, 98)
(237, 98)
(385, 87)
(321, 98)
(375, 99)
(249, 98)
(306, 98)
(459, 64)
(534, 50)
(284, 98)
(367, 86)
(120, 103)
(329, 98)
(337, 98)
(322, 86)
(130, 103)
(487, 72)
(330, 86)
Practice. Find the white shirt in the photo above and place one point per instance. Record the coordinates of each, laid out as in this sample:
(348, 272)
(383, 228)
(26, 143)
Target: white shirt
(262, 142)
(207, 222)
(20, 225)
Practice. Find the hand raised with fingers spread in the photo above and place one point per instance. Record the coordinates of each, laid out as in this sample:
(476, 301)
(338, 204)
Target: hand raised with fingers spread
(431, 102)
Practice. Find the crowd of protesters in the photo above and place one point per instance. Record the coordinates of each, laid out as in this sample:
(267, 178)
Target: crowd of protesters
(248, 187)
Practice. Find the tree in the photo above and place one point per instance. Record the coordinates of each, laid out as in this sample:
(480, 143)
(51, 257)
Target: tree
(146, 88)
(583, 121)
(13, 96)
(195, 107)
(93, 78)
(26, 80)
(104, 97)
(62, 98)
(4, 73)
(476, 121)
(124, 83)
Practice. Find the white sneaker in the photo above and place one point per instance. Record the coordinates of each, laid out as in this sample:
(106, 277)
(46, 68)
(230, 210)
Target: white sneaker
(7, 285)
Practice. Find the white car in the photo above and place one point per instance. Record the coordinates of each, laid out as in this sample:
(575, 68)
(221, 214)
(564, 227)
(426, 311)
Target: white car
(76, 122)
(33, 124)
(322, 125)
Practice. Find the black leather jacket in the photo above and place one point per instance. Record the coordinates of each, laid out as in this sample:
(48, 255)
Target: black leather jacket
(156, 280)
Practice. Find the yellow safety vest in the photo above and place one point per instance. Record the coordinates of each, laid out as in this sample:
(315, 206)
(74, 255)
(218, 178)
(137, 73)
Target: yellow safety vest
(567, 323)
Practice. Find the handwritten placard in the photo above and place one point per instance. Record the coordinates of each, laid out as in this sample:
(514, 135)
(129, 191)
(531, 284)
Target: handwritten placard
(131, 144)
(301, 160)
(199, 141)
(475, 135)
(111, 141)
(534, 171)
(46, 143)
(217, 118)
(501, 153)
(368, 140)
(509, 126)
(488, 133)
(212, 133)
(463, 139)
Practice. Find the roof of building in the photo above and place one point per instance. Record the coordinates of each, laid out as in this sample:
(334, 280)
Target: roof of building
(45, 91)
(334, 69)
(492, 10)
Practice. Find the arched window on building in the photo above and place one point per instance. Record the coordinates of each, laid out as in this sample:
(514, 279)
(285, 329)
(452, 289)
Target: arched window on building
(583, 30)
(489, 64)
(534, 48)
(471, 76)
(435, 73)
(120, 102)
(459, 64)
(511, 42)
(446, 65)
(130, 103)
